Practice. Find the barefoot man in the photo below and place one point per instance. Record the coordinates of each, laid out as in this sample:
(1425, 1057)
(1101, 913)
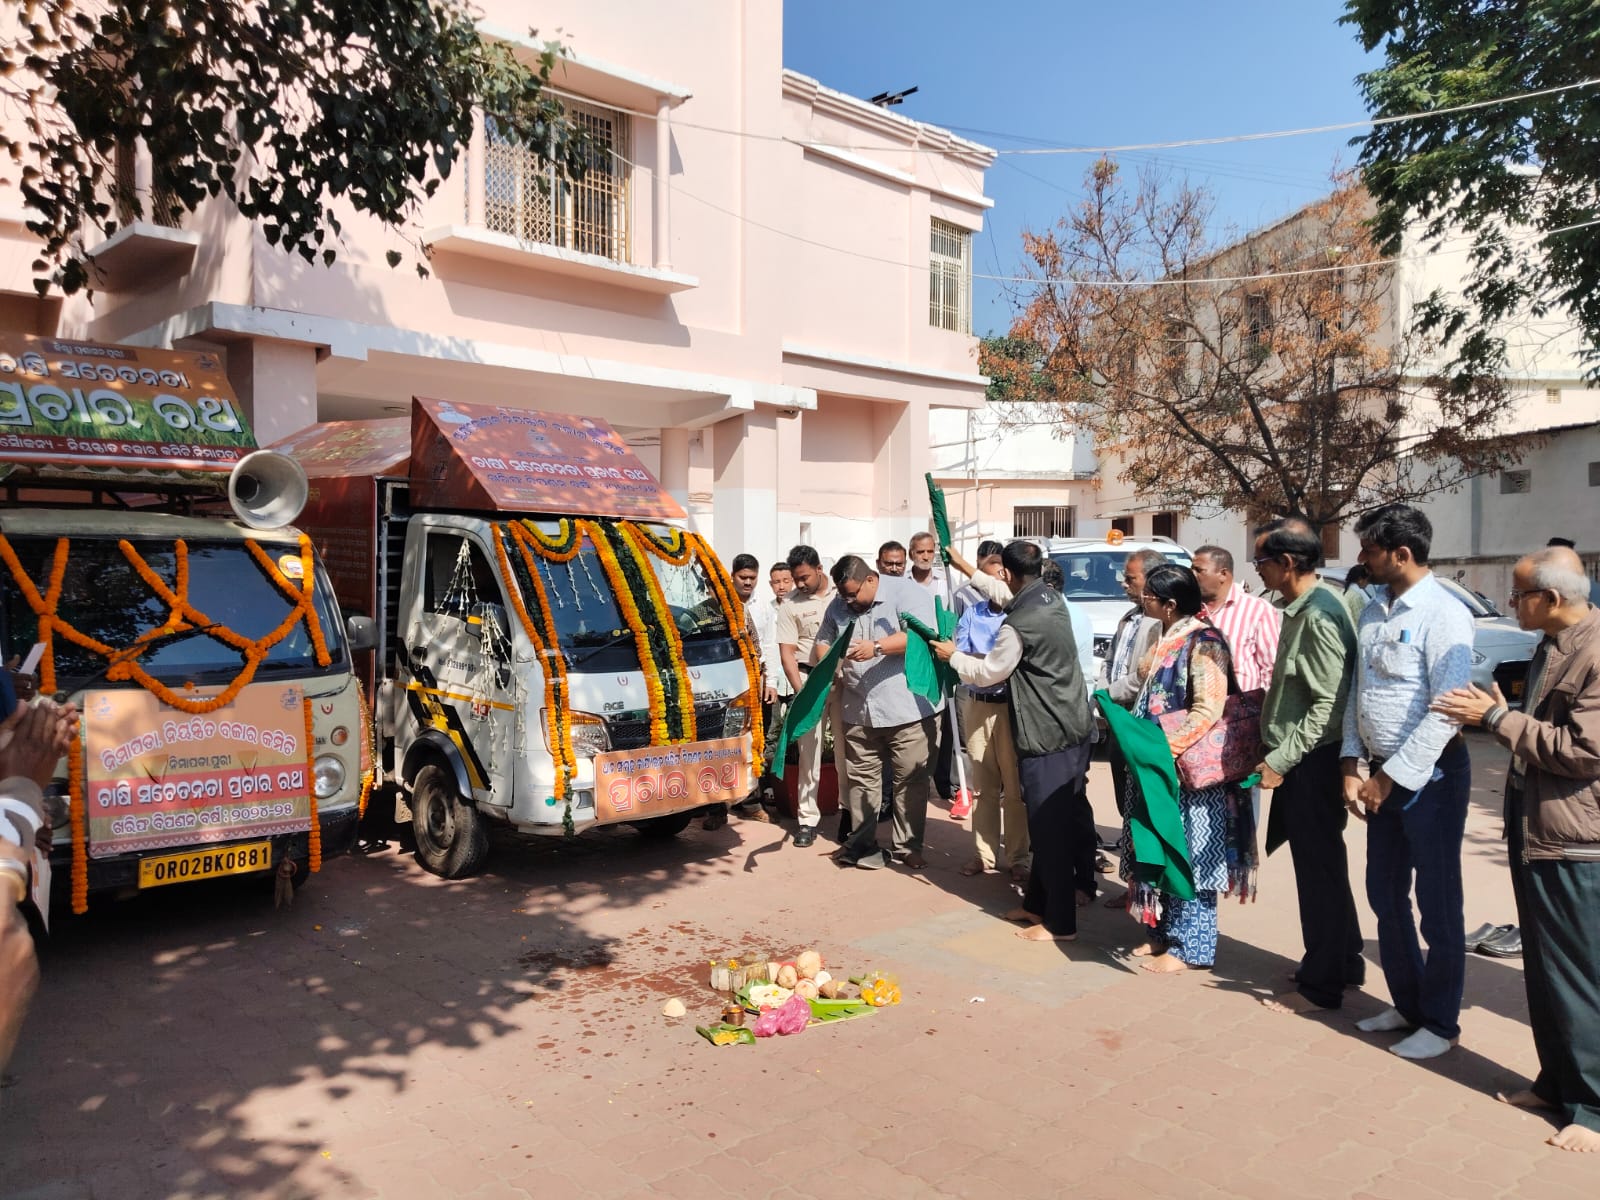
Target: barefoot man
(1036, 654)
(1552, 802)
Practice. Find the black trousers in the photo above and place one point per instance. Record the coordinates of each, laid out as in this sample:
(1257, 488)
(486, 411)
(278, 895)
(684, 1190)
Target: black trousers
(944, 768)
(1313, 815)
(1062, 833)
(1557, 903)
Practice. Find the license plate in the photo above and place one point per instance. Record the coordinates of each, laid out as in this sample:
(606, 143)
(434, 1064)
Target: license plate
(239, 859)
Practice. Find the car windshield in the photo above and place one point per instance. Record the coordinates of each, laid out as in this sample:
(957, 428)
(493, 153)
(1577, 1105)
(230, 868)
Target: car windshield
(1477, 604)
(104, 597)
(1094, 574)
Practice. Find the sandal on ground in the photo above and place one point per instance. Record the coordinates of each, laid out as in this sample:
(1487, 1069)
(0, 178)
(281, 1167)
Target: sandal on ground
(976, 867)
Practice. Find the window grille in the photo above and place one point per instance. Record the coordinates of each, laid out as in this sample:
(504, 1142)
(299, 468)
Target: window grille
(533, 201)
(161, 207)
(1515, 483)
(1257, 320)
(1042, 521)
(949, 277)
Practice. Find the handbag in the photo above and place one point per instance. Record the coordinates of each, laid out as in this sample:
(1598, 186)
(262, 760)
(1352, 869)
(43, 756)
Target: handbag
(1230, 750)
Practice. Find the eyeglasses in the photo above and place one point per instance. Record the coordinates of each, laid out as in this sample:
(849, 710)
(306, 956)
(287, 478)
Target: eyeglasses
(1149, 597)
(1263, 558)
(1516, 597)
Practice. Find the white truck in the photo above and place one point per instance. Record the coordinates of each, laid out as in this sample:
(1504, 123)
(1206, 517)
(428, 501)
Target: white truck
(221, 724)
(552, 650)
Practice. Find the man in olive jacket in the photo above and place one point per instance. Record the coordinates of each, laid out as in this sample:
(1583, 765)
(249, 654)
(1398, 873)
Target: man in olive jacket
(1036, 654)
(1553, 830)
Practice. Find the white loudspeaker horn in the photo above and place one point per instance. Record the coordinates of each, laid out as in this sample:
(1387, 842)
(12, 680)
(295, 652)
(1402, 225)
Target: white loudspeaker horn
(267, 489)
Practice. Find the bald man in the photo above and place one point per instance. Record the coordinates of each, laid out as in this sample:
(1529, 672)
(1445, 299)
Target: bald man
(1552, 814)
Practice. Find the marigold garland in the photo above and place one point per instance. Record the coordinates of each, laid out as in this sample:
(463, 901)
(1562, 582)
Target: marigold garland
(366, 750)
(678, 552)
(566, 545)
(623, 594)
(77, 800)
(558, 730)
(669, 627)
(311, 786)
(723, 586)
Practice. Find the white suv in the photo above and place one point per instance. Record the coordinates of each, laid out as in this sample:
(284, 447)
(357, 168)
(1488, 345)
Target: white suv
(1093, 570)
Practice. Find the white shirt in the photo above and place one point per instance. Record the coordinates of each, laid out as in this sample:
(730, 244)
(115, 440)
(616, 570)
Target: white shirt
(764, 615)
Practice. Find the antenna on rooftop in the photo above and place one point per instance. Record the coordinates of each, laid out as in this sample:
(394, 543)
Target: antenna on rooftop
(890, 99)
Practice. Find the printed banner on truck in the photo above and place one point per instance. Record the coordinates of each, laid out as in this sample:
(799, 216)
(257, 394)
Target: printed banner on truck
(84, 404)
(482, 456)
(653, 781)
(158, 778)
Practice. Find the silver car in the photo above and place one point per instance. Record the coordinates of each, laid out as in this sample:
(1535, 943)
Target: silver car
(1497, 639)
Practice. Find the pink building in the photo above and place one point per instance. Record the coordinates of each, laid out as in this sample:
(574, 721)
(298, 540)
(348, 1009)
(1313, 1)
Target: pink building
(769, 293)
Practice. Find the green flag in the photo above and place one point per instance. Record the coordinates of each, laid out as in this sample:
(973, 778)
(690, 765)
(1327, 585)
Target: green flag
(811, 701)
(1155, 823)
(926, 676)
(941, 517)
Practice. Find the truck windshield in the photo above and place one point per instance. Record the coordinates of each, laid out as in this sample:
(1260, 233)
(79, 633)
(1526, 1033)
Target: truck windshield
(103, 597)
(694, 604)
(585, 612)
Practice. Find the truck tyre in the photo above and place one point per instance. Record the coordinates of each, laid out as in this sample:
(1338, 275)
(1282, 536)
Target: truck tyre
(662, 828)
(451, 838)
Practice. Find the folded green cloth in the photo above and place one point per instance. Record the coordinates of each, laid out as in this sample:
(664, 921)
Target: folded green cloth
(1155, 823)
(926, 676)
(811, 701)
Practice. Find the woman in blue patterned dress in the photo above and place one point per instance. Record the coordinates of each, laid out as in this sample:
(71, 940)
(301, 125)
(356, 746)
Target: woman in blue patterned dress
(1189, 669)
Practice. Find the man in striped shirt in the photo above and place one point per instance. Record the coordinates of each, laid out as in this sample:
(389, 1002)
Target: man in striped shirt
(1248, 622)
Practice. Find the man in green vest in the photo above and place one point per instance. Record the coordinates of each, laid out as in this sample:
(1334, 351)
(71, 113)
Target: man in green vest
(1036, 655)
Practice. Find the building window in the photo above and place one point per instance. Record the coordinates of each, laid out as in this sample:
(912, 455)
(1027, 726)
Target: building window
(1123, 525)
(949, 277)
(1515, 483)
(1594, 474)
(1552, 395)
(1164, 524)
(1042, 521)
(1257, 321)
(1330, 543)
(533, 202)
(159, 205)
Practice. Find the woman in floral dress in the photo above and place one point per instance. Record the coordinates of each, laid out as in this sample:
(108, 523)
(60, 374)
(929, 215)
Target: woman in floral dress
(1190, 668)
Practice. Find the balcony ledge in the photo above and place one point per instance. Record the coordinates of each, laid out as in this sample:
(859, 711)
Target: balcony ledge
(477, 242)
(142, 254)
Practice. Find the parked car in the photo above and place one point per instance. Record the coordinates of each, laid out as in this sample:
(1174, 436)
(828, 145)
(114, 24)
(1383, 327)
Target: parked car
(1093, 571)
(1498, 643)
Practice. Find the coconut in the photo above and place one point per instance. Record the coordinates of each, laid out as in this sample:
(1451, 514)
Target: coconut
(787, 976)
(807, 964)
(806, 989)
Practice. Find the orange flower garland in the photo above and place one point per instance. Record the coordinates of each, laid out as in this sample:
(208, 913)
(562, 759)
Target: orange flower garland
(77, 801)
(366, 750)
(569, 540)
(678, 552)
(664, 621)
(44, 607)
(723, 586)
(659, 735)
(557, 730)
(311, 786)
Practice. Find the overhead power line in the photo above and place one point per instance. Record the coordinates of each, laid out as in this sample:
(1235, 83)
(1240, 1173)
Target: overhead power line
(1132, 147)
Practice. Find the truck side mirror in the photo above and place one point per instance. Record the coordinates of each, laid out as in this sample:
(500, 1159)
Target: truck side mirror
(361, 633)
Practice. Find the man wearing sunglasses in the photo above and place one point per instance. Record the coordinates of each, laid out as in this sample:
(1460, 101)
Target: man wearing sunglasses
(885, 722)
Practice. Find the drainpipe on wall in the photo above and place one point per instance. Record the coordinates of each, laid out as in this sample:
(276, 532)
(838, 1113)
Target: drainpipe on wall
(1475, 512)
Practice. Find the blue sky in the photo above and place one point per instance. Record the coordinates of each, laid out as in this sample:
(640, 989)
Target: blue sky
(1077, 73)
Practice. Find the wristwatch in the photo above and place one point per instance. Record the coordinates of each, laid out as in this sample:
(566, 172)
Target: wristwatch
(877, 648)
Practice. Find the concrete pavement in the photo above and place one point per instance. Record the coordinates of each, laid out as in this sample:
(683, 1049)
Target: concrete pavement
(394, 1035)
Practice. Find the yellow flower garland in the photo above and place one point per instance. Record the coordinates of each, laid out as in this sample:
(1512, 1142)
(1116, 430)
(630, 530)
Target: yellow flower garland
(635, 622)
(558, 730)
(367, 749)
(658, 600)
(731, 603)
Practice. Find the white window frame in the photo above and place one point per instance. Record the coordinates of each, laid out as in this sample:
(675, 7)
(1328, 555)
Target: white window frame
(949, 277)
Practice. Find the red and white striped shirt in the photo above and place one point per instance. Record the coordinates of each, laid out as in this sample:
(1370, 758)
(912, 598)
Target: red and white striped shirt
(1251, 626)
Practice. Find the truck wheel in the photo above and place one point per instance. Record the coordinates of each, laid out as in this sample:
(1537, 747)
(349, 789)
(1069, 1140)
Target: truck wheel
(662, 828)
(451, 838)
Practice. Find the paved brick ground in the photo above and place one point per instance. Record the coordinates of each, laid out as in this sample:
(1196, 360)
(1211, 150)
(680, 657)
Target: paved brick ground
(394, 1035)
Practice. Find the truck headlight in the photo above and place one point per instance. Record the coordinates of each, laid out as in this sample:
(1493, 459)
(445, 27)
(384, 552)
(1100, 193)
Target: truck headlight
(588, 732)
(736, 720)
(1479, 658)
(329, 776)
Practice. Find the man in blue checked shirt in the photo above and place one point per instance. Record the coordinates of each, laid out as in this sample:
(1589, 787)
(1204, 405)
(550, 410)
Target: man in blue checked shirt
(1414, 644)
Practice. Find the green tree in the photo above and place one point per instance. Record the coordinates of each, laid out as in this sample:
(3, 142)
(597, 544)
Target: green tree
(282, 107)
(1510, 176)
(1015, 368)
